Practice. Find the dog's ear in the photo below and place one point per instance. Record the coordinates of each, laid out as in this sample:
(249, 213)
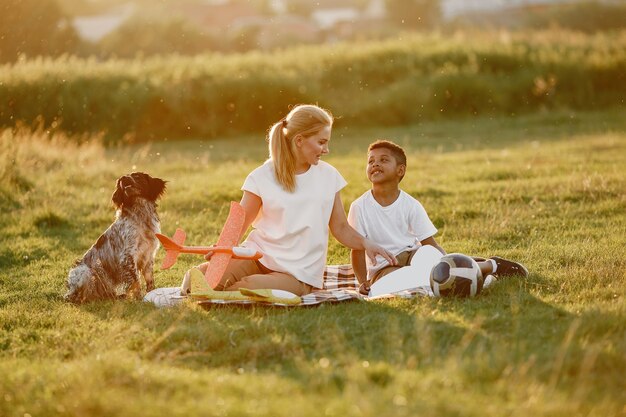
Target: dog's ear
(118, 196)
(155, 189)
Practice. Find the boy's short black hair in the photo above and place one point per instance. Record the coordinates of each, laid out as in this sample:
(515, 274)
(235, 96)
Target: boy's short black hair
(396, 150)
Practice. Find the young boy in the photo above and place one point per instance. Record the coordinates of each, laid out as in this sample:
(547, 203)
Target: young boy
(397, 221)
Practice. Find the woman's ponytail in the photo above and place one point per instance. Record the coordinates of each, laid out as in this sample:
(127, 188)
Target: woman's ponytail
(282, 156)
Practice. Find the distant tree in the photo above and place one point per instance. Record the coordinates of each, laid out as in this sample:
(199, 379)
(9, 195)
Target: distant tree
(140, 37)
(361, 5)
(244, 39)
(263, 6)
(414, 14)
(83, 7)
(301, 7)
(33, 28)
(586, 16)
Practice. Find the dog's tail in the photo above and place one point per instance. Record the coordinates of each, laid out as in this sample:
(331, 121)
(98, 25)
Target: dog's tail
(172, 247)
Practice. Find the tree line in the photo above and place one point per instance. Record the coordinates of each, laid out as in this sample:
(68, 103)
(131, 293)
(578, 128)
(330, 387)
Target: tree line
(30, 28)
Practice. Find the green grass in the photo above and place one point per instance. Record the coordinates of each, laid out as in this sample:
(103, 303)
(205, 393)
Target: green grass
(545, 189)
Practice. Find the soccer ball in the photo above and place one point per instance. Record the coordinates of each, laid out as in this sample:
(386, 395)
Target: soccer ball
(456, 275)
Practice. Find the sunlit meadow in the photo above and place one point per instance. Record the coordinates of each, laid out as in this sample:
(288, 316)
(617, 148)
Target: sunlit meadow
(546, 189)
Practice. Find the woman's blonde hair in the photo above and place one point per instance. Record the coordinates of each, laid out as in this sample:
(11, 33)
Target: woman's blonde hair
(305, 120)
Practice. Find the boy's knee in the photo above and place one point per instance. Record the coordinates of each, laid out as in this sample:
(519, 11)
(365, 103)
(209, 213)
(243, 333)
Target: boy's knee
(385, 271)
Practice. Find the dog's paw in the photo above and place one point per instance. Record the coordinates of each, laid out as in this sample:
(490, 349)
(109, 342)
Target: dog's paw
(134, 291)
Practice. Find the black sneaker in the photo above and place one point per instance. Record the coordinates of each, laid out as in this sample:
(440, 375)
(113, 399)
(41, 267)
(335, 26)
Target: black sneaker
(508, 268)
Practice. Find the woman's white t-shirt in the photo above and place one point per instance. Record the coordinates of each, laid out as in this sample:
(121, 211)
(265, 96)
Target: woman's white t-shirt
(291, 229)
(398, 227)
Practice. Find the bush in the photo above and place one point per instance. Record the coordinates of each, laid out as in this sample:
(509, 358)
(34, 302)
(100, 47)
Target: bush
(390, 82)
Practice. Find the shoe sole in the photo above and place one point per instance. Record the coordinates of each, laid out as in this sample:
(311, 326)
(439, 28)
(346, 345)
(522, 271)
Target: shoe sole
(525, 274)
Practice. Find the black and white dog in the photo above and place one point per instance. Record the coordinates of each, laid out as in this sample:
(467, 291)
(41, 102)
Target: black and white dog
(126, 249)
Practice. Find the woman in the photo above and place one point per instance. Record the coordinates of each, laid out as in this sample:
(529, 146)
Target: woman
(292, 201)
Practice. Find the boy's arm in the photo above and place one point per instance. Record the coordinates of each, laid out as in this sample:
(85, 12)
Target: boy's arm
(357, 258)
(432, 242)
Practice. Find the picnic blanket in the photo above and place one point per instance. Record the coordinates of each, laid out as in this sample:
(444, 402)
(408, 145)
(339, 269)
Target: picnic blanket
(340, 284)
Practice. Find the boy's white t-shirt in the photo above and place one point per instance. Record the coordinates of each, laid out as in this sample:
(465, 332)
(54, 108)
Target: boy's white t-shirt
(292, 229)
(398, 227)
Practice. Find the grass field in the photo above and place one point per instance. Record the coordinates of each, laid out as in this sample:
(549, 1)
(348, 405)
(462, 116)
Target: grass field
(547, 189)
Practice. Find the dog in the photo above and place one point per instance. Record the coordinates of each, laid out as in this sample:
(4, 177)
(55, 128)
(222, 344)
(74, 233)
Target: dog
(126, 249)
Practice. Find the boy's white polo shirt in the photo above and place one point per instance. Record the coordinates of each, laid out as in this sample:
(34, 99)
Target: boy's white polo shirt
(291, 229)
(398, 227)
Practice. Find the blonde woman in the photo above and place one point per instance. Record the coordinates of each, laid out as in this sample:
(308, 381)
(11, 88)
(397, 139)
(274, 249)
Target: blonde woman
(292, 201)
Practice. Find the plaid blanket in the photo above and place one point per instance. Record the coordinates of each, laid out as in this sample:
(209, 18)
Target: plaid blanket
(340, 277)
(340, 284)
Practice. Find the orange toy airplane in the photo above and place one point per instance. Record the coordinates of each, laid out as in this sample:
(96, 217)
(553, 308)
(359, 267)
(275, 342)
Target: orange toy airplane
(225, 248)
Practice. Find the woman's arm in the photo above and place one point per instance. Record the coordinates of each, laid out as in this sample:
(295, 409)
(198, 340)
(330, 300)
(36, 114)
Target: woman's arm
(251, 204)
(357, 259)
(347, 236)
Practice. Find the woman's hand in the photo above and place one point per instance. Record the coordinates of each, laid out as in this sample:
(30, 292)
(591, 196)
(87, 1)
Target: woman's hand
(346, 235)
(372, 250)
(251, 204)
(209, 254)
